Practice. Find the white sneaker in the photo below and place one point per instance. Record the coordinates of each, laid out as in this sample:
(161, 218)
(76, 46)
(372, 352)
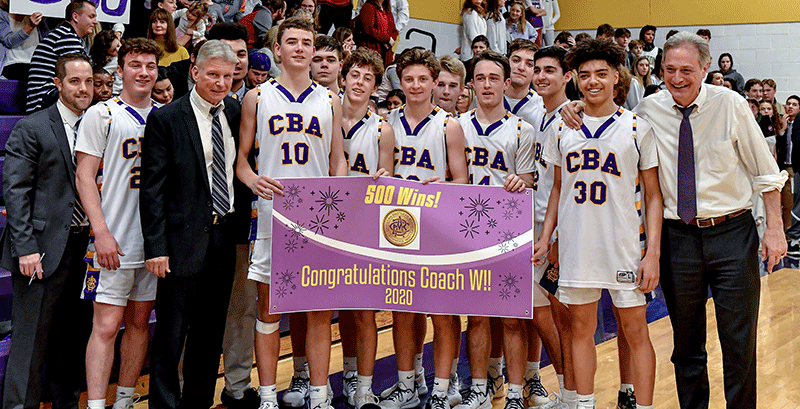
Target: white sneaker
(400, 398)
(454, 390)
(367, 401)
(534, 392)
(438, 401)
(477, 398)
(126, 403)
(496, 386)
(326, 404)
(553, 402)
(419, 379)
(268, 404)
(295, 396)
(514, 402)
(349, 385)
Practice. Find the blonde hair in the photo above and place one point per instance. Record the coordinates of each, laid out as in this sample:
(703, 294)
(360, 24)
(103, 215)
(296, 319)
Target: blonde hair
(454, 66)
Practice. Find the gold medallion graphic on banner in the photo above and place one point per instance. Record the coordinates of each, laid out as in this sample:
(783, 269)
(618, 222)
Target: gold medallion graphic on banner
(399, 227)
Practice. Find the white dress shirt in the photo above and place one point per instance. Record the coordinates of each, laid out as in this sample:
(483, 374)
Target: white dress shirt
(202, 113)
(70, 121)
(732, 159)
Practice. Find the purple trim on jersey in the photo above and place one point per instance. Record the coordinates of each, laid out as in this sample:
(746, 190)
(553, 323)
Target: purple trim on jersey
(289, 95)
(133, 111)
(419, 125)
(602, 127)
(491, 127)
(356, 127)
(519, 104)
(543, 125)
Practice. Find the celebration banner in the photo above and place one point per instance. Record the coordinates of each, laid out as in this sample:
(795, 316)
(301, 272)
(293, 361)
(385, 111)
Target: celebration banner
(392, 244)
(111, 11)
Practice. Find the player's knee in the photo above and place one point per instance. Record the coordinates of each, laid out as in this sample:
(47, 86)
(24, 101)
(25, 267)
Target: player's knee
(267, 328)
(636, 333)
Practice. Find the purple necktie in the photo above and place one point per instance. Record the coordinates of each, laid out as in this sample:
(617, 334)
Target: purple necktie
(687, 192)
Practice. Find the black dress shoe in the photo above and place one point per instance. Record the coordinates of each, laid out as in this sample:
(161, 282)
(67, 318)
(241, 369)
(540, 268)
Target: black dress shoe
(250, 400)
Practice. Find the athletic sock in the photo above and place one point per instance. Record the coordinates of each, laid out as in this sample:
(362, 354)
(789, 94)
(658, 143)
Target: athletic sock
(638, 406)
(531, 368)
(317, 395)
(570, 398)
(406, 378)
(514, 388)
(300, 364)
(364, 384)
(624, 387)
(560, 382)
(454, 366)
(96, 404)
(586, 401)
(418, 363)
(268, 393)
(495, 366)
(440, 386)
(125, 392)
(349, 363)
(479, 384)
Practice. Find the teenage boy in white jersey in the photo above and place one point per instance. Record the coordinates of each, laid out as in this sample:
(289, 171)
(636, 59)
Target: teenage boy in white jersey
(523, 101)
(599, 215)
(550, 77)
(369, 149)
(428, 141)
(315, 123)
(117, 281)
(326, 64)
(500, 151)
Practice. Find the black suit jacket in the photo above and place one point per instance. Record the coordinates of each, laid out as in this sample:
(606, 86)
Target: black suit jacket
(39, 190)
(175, 199)
(780, 146)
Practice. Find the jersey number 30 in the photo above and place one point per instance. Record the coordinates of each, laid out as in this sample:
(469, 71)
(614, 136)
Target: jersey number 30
(596, 192)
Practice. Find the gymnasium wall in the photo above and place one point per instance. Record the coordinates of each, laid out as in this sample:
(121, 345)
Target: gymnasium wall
(762, 35)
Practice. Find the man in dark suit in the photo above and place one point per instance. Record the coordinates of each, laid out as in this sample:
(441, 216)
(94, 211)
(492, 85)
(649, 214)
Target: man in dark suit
(186, 204)
(44, 244)
(787, 156)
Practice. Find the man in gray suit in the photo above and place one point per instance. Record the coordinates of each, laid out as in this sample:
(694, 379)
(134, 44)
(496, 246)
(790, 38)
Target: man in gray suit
(43, 246)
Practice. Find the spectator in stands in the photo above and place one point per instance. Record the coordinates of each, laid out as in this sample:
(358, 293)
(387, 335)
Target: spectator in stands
(517, 25)
(785, 160)
(715, 78)
(261, 20)
(769, 86)
(551, 14)
(161, 29)
(634, 51)
(395, 99)
(725, 63)
(399, 12)
(473, 24)
(670, 33)
(535, 16)
(479, 45)
(345, 36)
(582, 37)
(565, 40)
(753, 89)
(770, 121)
(605, 32)
(192, 25)
(162, 90)
(647, 35)
(730, 84)
(375, 28)
(235, 35)
(103, 84)
(334, 13)
(258, 72)
(465, 99)
(643, 73)
(19, 36)
(178, 73)
(705, 33)
(44, 218)
(754, 108)
(650, 90)
(80, 19)
(104, 54)
(269, 50)
(496, 31)
(623, 37)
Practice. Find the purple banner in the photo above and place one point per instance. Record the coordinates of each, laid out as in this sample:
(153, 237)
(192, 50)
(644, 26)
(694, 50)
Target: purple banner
(392, 244)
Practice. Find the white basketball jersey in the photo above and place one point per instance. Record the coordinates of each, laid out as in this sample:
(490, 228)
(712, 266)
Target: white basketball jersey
(293, 138)
(113, 130)
(544, 125)
(496, 150)
(600, 223)
(529, 108)
(361, 145)
(421, 152)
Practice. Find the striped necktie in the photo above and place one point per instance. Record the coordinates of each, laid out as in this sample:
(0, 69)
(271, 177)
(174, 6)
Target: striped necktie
(78, 214)
(219, 180)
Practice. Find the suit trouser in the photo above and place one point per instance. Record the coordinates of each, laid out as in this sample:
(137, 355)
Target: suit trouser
(190, 312)
(237, 345)
(794, 229)
(725, 258)
(51, 326)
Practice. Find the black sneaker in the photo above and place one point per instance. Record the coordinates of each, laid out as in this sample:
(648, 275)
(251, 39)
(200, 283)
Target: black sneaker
(250, 400)
(626, 400)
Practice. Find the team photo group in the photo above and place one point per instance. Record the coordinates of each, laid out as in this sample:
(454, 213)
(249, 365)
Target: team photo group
(145, 181)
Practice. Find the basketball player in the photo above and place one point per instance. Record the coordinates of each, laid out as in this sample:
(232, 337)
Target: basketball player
(327, 63)
(500, 151)
(110, 136)
(427, 142)
(265, 123)
(601, 167)
(369, 149)
(550, 76)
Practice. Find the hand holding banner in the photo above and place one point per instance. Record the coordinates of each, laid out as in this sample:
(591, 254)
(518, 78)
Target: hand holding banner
(392, 244)
(112, 11)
